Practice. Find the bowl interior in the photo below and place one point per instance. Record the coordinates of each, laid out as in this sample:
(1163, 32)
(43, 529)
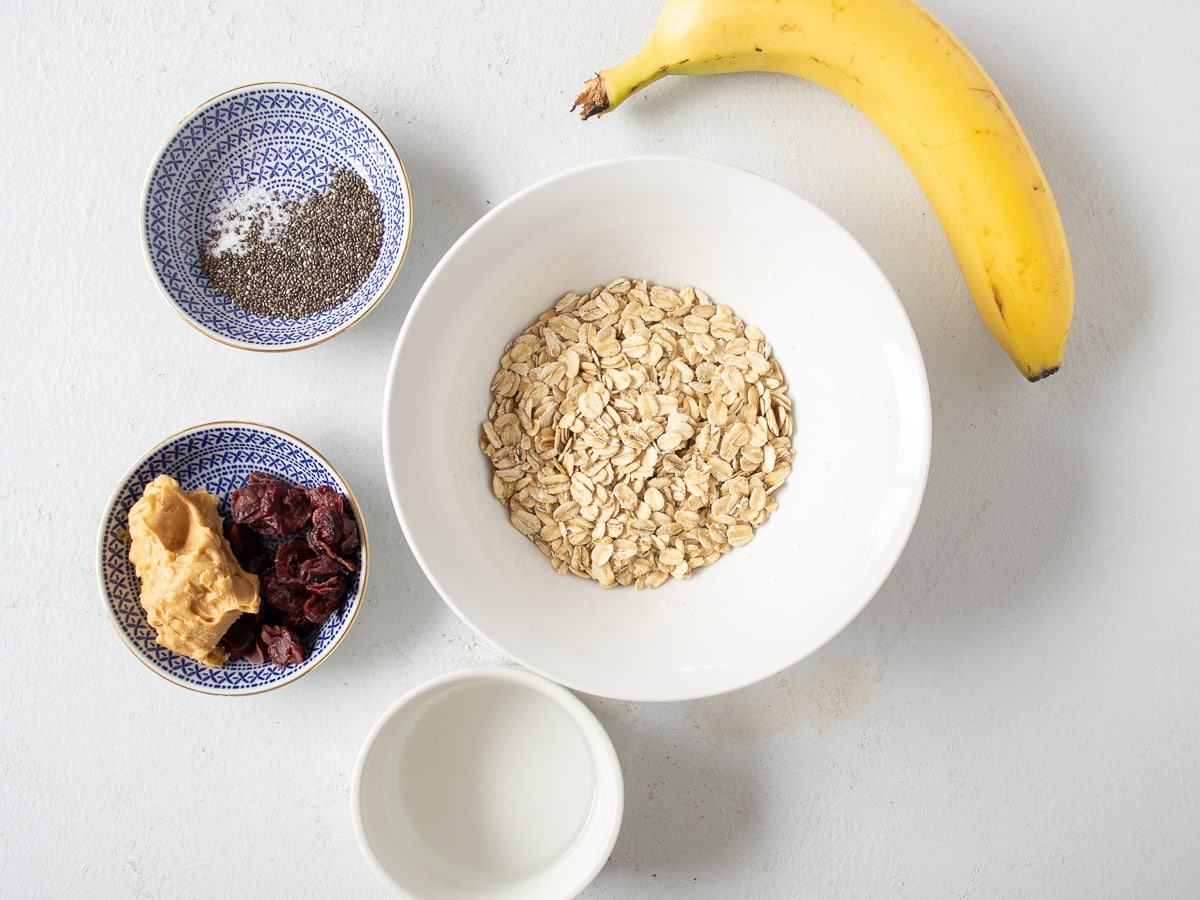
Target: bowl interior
(488, 782)
(254, 141)
(856, 381)
(218, 458)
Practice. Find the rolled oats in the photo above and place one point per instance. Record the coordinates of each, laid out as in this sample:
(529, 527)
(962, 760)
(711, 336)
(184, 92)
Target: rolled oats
(638, 432)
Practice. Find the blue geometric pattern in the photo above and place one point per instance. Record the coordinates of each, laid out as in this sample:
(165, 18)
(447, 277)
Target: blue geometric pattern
(218, 458)
(283, 138)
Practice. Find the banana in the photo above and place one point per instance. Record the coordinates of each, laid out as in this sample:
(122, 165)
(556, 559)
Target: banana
(936, 105)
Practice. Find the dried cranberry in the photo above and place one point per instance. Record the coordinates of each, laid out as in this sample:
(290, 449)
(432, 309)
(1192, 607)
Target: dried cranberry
(325, 577)
(289, 559)
(271, 506)
(248, 547)
(279, 595)
(283, 645)
(350, 536)
(335, 550)
(324, 495)
(241, 636)
(318, 609)
(326, 526)
(293, 620)
(307, 577)
(256, 654)
(333, 532)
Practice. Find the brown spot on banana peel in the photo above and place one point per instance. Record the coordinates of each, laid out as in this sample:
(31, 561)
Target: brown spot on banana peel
(661, 72)
(999, 303)
(820, 62)
(991, 95)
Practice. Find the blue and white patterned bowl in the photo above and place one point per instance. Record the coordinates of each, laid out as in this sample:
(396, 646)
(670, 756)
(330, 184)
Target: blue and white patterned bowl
(219, 458)
(277, 137)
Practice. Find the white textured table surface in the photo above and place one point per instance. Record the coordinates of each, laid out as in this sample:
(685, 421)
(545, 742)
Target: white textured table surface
(1015, 715)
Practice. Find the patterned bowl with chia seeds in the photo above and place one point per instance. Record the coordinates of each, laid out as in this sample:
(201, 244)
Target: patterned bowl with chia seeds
(275, 216)
(219, 457)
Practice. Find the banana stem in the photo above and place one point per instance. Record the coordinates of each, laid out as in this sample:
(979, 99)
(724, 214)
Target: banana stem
(593, 100)
(599, 94)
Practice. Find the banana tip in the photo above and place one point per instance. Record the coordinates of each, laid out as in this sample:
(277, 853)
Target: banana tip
(1044, 373)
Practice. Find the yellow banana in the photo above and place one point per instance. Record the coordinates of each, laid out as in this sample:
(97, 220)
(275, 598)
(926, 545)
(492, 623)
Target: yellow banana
(933, 101)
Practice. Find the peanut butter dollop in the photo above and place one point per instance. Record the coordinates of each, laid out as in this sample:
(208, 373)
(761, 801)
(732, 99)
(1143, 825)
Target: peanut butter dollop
(193, 587)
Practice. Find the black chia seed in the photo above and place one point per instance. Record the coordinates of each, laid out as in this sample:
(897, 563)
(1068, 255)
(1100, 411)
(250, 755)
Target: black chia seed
(295, 259)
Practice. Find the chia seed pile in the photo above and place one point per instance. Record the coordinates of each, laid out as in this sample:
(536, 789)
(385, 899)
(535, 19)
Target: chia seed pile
(292, 259)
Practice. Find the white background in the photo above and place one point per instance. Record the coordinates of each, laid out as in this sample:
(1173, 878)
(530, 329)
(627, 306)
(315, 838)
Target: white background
(1014, 715)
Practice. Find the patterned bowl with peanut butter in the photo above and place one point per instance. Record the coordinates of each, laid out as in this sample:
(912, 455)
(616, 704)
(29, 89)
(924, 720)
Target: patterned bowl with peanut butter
(219, 458)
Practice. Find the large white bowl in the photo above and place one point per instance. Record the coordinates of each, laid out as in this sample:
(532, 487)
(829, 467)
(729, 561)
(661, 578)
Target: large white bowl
(860, 402)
